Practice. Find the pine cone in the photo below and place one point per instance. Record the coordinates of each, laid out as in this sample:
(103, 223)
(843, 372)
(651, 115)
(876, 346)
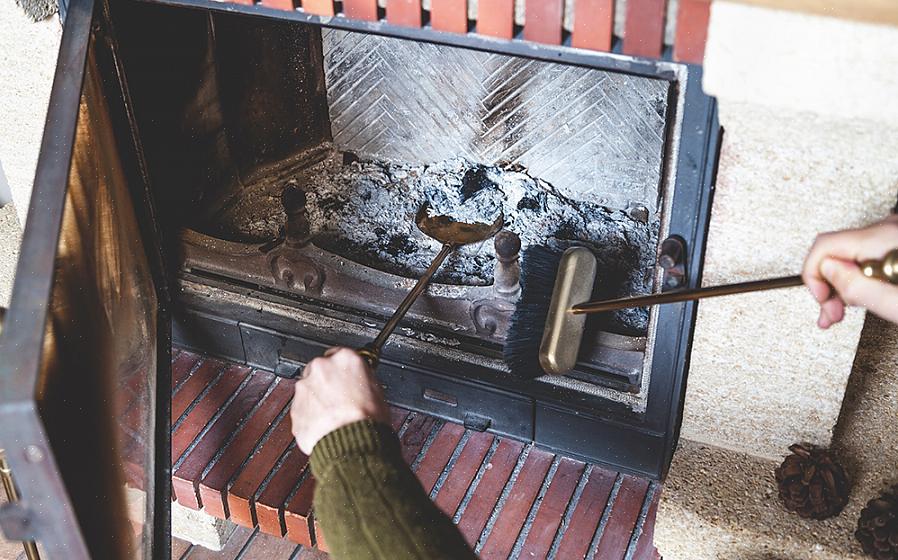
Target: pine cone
(877, 528)
(811, 483)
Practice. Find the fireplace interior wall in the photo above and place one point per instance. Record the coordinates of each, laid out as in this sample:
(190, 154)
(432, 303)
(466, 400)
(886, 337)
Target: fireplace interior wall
(222, 100)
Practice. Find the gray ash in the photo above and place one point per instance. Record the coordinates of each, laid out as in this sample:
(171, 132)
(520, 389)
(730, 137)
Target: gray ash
(365, 210)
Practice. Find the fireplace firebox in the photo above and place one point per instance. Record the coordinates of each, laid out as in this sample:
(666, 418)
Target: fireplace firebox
(242, 182)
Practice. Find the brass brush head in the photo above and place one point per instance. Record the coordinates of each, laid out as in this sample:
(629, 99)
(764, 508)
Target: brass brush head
(564, 331)
(570, 303)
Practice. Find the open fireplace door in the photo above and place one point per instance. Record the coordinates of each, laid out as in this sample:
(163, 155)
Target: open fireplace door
(84, 351)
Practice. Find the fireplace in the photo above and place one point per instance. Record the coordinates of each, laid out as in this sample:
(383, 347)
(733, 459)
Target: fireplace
(263, 174)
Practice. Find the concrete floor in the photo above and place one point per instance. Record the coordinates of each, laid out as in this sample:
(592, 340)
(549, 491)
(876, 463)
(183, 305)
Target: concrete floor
(719, 503)
(10, 237)
(28, 54)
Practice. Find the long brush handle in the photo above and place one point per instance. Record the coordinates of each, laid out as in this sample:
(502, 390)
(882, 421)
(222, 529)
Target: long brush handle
(885, 269)
(687, 295)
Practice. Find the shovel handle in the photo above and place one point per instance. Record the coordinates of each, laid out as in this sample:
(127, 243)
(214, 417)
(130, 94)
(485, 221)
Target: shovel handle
(371, 352)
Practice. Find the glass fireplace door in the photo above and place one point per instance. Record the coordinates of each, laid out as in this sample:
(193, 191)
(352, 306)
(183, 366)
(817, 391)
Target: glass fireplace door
(79, 352)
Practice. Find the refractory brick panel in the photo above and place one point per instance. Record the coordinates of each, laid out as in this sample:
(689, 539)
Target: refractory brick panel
(507, 497)
(449, 15)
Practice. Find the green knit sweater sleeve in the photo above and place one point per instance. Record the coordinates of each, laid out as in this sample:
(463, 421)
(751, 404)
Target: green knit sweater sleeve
(370, 505)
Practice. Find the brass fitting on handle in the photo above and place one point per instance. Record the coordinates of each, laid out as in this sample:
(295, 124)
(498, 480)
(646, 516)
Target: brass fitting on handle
(885, 269)
(13, 496)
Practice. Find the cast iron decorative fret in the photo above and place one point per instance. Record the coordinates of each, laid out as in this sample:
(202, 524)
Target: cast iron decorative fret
(234, 456)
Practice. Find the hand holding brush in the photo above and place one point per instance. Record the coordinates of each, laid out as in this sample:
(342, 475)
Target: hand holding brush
(856, 267)
(835, 281)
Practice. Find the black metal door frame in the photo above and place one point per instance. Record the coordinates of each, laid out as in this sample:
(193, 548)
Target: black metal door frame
(45, 512)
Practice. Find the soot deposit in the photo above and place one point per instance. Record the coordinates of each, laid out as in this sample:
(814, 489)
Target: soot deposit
(365, 210)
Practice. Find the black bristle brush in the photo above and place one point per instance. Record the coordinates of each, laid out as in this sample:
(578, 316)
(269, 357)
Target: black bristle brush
(539, 266)
(546, 329)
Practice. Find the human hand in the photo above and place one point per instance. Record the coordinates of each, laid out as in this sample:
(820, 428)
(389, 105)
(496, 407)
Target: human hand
(333, 391)
(835, 280)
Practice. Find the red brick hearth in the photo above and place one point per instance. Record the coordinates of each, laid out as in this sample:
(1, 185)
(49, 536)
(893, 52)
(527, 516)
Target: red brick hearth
(234, 457)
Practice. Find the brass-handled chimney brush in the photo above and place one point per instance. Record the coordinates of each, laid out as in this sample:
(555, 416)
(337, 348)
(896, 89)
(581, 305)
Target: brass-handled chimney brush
(555, 325)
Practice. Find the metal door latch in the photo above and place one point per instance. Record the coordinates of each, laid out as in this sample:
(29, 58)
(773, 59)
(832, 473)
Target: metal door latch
(672, 259)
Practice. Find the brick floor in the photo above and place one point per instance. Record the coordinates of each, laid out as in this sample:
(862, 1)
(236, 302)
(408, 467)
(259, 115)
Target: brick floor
(236, 459)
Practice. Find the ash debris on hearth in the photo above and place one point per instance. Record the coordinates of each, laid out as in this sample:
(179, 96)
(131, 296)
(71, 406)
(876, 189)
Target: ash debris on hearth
(364, 211)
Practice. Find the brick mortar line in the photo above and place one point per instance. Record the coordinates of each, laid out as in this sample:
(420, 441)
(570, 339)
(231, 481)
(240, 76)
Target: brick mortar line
(193, 368)
(305, 475)
(640, 521)
(208, 426)
(434, 431)
(267, 480)
(265, 437)
(534, 508)
(606, 514)
(196, 401)
(469, 493)
(453, 459)
(569, 511)
(236, 431)
(298, 550)
(246, 545)
(503, 497)
(239, 428)
(313, 530)
(405, 424)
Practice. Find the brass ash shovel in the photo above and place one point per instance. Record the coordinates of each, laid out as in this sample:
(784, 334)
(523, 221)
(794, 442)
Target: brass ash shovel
(452, 235)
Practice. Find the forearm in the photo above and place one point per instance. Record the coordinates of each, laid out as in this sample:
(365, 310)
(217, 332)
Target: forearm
(369, 503)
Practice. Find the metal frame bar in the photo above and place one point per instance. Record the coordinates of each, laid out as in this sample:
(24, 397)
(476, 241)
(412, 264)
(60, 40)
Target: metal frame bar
(45, 508)
(22, 431)
(613, 61)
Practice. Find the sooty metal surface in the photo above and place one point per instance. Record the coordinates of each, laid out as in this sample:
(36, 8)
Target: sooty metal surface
(364, 211)
(594, 135)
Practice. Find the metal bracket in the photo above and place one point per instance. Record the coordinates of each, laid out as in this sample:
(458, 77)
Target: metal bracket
(287, 367)
(16, 519)
(477, 423)
(672, 259)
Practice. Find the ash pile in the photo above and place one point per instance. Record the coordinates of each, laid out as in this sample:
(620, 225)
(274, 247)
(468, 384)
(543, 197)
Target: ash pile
(365, 212)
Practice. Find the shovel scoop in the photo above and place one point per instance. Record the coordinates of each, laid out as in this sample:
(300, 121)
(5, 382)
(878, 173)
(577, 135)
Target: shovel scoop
(452, 234)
